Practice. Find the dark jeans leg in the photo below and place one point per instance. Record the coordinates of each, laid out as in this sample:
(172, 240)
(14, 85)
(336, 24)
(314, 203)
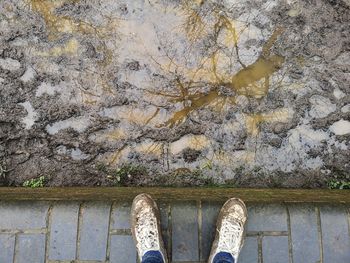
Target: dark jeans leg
(152, 257)
(223, 257)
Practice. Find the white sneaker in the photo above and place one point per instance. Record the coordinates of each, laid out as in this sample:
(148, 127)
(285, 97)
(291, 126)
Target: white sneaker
(145, 226)
(230, 229)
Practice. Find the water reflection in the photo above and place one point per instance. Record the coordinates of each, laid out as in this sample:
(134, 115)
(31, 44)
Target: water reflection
(251, 81)
(190, 56)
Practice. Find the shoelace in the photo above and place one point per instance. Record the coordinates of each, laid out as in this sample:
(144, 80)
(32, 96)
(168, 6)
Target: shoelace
(147, 232)
(230, 236)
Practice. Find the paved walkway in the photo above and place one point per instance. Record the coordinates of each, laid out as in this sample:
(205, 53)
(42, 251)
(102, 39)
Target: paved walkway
(35, 232)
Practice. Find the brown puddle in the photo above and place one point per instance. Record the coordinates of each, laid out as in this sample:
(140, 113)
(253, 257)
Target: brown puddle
(252, 81)
(70, 48)
(254, 120)
(59, 24)
(191, 87)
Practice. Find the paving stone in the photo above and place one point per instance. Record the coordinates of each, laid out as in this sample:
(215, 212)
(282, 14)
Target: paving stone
(275, 249)
(267, 217)
(32, 215)
(63, 234)
(122, 249)
(210, 213)
(7, 248)
(94, 231)
(31, 248)
(335, 234)
(185, 232)
(121, 216)
(304, 230)
(249, 253)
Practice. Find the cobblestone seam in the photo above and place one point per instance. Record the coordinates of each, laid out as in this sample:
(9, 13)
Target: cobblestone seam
(168, 230)
(16, 249)
(108, 248)
(260, 253)
(170, 233)
(290, 247)
(78, 231)
(21, 231)
(318, 214)
(76, 261)
(48, 233)
(266, 233)
(120, 232)
(199, 216)
(348, 213)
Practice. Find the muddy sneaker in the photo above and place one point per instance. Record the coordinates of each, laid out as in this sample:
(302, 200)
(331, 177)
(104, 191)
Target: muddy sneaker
(229, 232)
(145, 228)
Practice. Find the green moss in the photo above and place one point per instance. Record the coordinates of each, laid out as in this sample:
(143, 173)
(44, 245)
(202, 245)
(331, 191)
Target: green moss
(102, 167)
(35, 182)
(239, 170)
(138, 175)
(338, 184)
(257, 169)
(208, 165)
(3, 173)
(2, 170)
(124, 174)
(210, 183)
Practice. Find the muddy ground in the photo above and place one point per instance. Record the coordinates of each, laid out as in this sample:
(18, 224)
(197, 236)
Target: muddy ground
(170, 92)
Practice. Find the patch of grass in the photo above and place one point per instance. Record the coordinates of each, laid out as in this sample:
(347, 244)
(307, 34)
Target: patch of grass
(102, 167)
(2, 171)
(257, 169)
(137, 175)
(239, 170)
(123, 175)
(210, 183)
(216, 185)
(207, 165)
(35, 182)
(185, 177)
(336, 184)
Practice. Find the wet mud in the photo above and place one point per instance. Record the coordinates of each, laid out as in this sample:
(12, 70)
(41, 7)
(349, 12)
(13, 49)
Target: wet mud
(175, 93)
